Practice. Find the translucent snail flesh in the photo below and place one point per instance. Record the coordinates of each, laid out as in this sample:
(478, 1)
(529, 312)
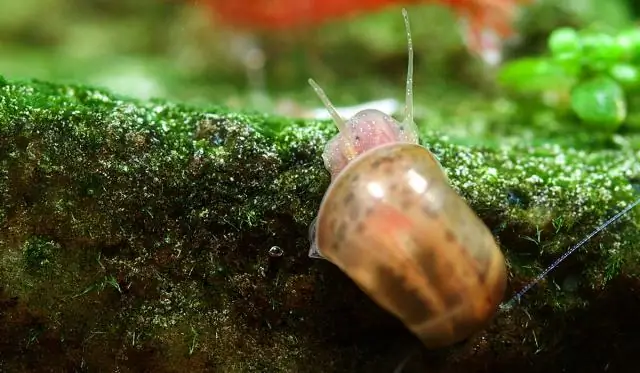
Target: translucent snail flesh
(391, 222)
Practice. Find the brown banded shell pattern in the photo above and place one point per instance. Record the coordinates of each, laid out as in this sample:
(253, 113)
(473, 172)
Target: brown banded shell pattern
(392, 223)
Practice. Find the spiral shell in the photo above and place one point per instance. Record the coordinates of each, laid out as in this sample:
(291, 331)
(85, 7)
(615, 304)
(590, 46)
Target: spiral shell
(393, 223)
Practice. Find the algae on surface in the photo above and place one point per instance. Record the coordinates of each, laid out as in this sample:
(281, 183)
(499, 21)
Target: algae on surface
(136, 236)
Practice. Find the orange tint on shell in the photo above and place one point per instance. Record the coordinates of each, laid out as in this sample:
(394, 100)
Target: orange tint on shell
(393, 224)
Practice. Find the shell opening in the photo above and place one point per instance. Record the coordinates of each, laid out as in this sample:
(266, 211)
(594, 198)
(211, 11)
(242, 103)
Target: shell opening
(314, 251)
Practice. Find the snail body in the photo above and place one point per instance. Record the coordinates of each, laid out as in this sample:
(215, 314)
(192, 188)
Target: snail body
(391, 221)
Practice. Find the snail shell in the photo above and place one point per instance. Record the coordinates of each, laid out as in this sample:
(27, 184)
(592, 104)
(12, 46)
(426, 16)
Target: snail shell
(392, 223)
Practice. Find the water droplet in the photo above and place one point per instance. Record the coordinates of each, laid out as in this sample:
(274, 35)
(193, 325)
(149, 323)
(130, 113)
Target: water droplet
(275, 251)
(217, 140)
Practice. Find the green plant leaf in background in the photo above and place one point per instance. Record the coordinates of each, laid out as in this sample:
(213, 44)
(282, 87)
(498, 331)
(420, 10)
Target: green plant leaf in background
(629, 42)
(599, 101)
(599, 50)
(626, 74)
(564, 44)
(535, 75)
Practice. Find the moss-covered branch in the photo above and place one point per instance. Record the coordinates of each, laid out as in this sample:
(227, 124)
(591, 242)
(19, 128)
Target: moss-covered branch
(137, 234)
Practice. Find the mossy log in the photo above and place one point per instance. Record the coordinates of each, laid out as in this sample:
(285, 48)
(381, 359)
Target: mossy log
(137, 236)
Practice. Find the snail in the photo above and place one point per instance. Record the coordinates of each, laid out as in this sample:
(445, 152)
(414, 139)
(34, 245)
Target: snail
(391, 221)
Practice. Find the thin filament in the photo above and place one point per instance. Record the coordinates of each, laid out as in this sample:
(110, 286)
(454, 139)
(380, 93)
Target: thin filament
(516, 298)
(408, 109)
(327, 103)
(337, 119)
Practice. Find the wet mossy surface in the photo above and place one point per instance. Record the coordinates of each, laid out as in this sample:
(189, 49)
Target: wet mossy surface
(135, 236)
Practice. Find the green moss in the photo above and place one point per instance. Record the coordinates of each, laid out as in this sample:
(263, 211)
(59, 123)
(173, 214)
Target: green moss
(159, 217)
(38, 253)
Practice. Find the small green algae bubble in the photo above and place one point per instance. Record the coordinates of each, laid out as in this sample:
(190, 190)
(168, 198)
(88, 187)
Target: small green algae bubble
(599, 101)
